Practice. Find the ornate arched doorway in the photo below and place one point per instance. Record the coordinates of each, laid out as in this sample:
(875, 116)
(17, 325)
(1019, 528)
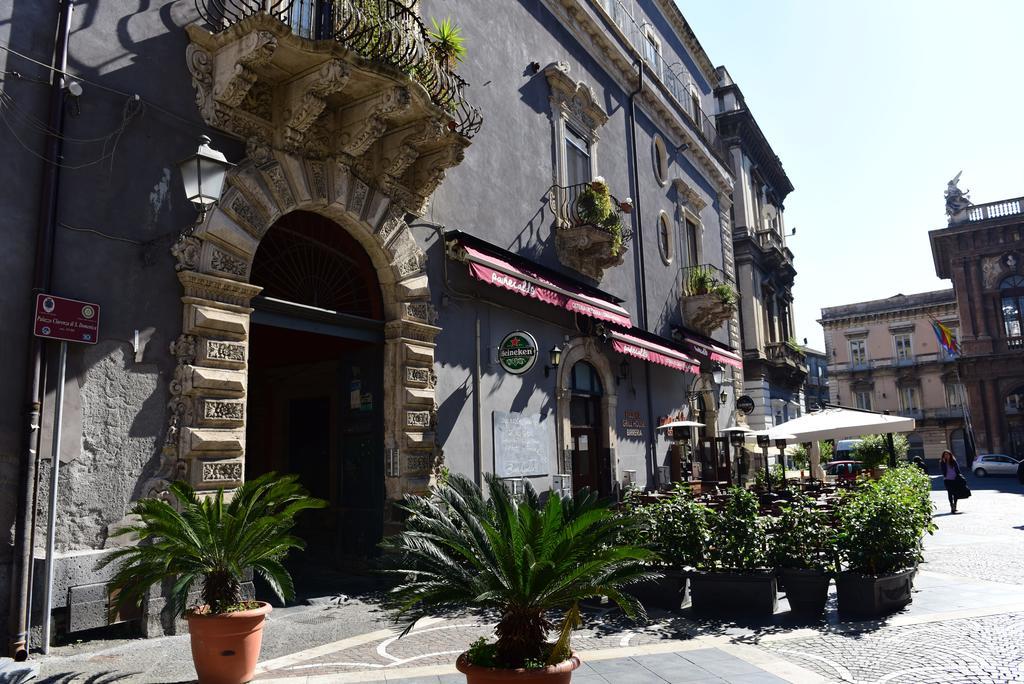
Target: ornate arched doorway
(587, 405)
(319, 413)
(332, 242)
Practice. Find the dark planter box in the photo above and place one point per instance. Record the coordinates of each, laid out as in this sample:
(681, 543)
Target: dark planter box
(870, 596)
(806, 590)
(669, 592)
(734, 593)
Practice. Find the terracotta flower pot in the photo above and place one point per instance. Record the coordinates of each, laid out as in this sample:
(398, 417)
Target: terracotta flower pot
(226, 647)
(555, 674)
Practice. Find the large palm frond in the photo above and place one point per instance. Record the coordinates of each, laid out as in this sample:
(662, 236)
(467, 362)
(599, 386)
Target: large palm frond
(522, 558)
(211, 541)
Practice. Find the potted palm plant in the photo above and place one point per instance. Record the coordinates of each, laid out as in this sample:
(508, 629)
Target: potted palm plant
(734, 577)
(881, 524)
(524, 560)
(802, 547)
(447, 43)
(208, 542)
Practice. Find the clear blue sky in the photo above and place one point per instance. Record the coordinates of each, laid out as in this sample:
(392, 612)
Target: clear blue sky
(872, 106)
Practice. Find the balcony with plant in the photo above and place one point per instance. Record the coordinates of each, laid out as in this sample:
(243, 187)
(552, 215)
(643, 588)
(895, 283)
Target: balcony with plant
(590, 230)
(361, 80)
(707, 301)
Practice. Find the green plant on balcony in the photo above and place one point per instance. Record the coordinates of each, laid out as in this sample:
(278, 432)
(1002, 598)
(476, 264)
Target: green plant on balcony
(699, 281)
(595, 207)
(725, 294)
(448, 45)
(794, 345)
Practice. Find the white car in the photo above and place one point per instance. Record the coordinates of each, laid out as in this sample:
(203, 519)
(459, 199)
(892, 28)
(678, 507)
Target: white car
(995, 464)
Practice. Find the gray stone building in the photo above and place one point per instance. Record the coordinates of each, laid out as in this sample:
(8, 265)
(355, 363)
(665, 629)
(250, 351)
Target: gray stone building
(774, 366)
(816, 382)
(403, 272)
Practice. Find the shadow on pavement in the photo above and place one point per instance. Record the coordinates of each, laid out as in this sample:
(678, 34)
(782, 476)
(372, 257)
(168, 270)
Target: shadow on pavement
(75, 677)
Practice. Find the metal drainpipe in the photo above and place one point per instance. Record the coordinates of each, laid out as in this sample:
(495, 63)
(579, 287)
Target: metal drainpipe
(638, 204)
(42, 278)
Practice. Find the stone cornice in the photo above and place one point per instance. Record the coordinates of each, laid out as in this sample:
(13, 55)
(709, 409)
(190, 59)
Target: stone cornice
(618, 60)
(689, 38)
(916, 313)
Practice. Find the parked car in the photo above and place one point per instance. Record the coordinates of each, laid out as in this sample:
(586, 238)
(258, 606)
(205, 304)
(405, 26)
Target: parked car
(844, 471)
(844, 447)
(995, 464)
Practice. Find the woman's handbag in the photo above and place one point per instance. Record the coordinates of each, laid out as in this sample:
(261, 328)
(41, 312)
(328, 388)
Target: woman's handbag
(961, 490)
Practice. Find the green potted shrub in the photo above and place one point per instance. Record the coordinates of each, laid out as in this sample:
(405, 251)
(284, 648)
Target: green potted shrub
(873, 452)
(446, 42)
(881, 524)
(734, 576)
(524, 560)
(209, 543)
(676, 529)
(802, 548)
(594, 207)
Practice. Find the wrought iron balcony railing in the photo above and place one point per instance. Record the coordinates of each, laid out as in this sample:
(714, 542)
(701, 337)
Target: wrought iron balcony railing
(384, 31)
(575, 206)
(785, 353)
(685, 99)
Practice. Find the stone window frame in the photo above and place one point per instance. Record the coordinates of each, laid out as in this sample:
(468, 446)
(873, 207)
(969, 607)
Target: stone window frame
(689, 204)
(574, 104)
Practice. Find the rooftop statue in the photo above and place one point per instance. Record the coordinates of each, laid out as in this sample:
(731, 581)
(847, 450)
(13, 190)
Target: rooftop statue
(956, 199)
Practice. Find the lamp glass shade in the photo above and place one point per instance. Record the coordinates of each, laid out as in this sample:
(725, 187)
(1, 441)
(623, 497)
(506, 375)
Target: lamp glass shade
(203, 174)
(717, 374)
(555, 356)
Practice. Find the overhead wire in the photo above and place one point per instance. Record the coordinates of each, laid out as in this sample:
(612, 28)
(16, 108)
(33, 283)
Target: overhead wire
(190, 124)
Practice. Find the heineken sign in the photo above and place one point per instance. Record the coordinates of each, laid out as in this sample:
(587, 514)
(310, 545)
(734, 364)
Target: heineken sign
(517, 352)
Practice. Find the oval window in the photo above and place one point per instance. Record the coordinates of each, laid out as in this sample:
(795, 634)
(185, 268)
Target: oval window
(665, 241)
(660, 160)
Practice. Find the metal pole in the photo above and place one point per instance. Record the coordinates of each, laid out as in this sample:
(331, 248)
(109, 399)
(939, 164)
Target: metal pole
(767, 470)
(51, 522)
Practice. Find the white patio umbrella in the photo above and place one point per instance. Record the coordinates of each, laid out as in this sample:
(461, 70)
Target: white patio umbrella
(679, 424)
(835, 422)
(839, 423)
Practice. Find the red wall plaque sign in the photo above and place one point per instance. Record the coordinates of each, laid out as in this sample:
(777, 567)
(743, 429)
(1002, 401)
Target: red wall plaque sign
(69, 320)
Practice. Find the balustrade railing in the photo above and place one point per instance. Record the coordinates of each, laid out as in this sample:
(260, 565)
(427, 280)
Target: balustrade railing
(783, 351)
(982, 212)
(680, 91)
(387, 31)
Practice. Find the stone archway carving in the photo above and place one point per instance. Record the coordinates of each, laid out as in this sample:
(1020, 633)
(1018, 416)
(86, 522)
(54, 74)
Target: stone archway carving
(205, 441)
(357, 137)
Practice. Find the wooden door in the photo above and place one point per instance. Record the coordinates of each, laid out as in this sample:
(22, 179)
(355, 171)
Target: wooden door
(585, 470)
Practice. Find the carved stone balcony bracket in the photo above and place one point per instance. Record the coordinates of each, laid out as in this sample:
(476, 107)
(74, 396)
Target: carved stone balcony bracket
(317, 100)
(587, 249)
(705, 313)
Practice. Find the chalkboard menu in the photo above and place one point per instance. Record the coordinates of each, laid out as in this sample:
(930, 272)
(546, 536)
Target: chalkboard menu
(524, 445)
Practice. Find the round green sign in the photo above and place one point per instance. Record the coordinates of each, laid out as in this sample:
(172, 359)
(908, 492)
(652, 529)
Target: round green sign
(517, 352)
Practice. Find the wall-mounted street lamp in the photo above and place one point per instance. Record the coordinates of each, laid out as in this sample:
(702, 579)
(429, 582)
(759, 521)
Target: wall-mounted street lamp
(554, 358)
(203, 175)
(717, 377)
(624, 371)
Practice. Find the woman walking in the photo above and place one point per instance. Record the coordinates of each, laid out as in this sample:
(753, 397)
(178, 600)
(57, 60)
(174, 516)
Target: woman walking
(950, 473)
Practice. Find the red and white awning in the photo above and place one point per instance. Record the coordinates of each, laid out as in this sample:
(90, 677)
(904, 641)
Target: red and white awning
(498, 272)
(655, 353)
(713, 352)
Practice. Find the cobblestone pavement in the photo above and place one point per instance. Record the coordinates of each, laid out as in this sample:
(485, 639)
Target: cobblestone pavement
(989, 649)
(966, 624)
